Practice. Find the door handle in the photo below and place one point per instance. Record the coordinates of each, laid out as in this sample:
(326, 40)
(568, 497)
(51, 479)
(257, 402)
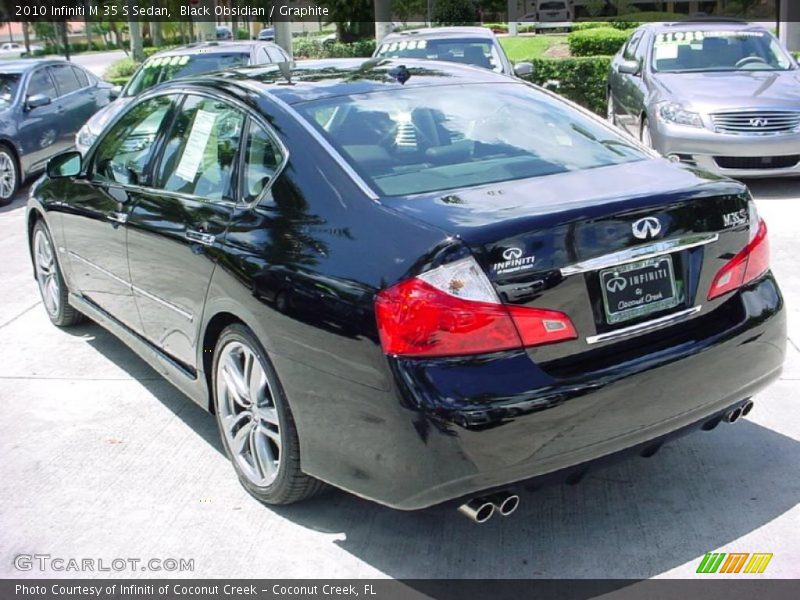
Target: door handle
(118, 217)
(206, 239)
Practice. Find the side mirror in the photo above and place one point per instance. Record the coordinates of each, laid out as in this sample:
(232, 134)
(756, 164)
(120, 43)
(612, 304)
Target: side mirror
(67, 164)
(115, 92)
(523, 69)
(37, 100)
(629, 67)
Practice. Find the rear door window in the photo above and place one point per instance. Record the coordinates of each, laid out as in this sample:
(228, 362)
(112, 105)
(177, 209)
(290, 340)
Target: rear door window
(65, 79)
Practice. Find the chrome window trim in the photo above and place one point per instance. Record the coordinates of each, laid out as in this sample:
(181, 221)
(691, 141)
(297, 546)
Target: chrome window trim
(643, 327)
(642, 252)
(326, 145)
(184, 313)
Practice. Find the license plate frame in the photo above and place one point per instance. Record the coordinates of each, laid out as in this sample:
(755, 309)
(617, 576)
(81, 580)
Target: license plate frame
(630, 273)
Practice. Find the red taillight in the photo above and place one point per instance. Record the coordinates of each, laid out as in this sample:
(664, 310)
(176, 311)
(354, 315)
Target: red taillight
(453, 311)
(748, 265)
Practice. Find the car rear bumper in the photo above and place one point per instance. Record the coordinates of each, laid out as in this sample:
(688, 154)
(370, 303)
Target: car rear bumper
(454, 428)
(738, 156)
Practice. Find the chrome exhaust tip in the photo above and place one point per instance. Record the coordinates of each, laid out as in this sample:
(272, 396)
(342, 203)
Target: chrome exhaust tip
(734, 415)
(505, 502)
(747, 408)
(478, 510)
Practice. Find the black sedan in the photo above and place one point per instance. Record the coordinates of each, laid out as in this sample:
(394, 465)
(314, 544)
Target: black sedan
(42, 105)
(375, 284)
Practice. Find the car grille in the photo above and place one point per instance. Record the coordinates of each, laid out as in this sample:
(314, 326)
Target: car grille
(757, 121)
(757, 162)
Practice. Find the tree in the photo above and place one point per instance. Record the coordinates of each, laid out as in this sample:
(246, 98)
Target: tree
(354, 19)
(454, 12)
(408, 8)
(46, 32)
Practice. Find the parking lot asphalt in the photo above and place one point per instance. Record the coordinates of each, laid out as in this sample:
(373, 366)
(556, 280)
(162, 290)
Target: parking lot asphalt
(101, 458)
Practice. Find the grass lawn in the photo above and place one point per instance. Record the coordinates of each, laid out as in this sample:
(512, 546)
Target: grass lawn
(529, 46)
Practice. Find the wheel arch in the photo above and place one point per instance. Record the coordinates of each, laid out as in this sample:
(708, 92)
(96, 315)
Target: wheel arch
(7, 143)
(213, 329)
(34, 216)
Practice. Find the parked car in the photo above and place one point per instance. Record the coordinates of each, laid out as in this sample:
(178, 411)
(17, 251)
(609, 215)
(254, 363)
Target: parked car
(553, 11)
(184, 61)
(475, 46)
(472, 303)
(42, 104)
(721, 96)
(224, 33)
(267, 34)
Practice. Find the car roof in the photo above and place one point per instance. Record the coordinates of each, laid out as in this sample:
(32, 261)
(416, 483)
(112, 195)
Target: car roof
(25, 64)
(441, 32)
(707, 25)
(212, 48)
(319, 79)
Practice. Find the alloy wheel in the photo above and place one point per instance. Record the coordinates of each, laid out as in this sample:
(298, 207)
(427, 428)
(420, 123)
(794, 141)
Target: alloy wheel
(8, 176)
(46, 272)
(248, 415)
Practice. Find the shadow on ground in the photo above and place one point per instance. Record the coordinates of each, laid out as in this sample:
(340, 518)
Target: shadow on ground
(698, 494)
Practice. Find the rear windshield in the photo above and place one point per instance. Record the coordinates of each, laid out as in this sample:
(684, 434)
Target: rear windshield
(8, 88)
(426, 139)
(688, 51)
(160, 69)
(476, 52)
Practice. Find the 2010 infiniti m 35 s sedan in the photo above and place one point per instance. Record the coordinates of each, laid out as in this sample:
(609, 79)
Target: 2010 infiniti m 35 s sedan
(376, 278)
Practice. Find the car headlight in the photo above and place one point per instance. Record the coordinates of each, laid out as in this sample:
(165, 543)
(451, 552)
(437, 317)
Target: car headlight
(675, 113)
(85, 139)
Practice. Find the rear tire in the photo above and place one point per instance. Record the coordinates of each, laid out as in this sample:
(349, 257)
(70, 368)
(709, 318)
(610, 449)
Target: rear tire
(52, 287)
(255, 422)
(9, 175)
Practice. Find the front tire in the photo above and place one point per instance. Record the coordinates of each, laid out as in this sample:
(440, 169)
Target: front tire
(255, 423)
(52, 287)
(9, 176)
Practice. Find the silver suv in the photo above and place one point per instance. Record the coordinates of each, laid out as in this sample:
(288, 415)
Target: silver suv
(724, 96)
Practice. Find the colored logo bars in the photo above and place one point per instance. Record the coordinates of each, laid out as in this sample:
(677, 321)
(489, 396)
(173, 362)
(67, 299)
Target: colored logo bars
(716, 562)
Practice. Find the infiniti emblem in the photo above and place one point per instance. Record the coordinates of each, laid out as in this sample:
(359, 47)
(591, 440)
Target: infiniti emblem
(649, 227)
(512, 253)
(616, 283)
(759, 122)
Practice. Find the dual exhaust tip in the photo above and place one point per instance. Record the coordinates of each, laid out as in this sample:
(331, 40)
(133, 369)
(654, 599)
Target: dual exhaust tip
(480, 510)
(739, 412)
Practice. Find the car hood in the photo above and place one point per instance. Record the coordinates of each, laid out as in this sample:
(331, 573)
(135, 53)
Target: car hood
(103, 116)
(720, 90)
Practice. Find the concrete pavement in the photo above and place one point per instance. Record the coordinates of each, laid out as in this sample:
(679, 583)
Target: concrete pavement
(101, 458)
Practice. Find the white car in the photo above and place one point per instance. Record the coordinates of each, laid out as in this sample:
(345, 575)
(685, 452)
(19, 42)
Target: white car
(16, 49)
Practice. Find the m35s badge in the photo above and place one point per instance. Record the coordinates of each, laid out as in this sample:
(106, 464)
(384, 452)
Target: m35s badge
(735, 219)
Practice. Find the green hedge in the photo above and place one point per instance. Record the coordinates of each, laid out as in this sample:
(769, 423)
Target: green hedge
(597, 42)
(314, 48)
(120, 69)
(582, 80)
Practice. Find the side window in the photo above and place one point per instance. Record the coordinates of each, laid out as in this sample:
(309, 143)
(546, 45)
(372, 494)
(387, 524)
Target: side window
(65, 79)
(80, 74)
(641, 50)
(630, 48)
(42, 83)
(201, 149)
(263, 57)
(124, 152)
(263, 157)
